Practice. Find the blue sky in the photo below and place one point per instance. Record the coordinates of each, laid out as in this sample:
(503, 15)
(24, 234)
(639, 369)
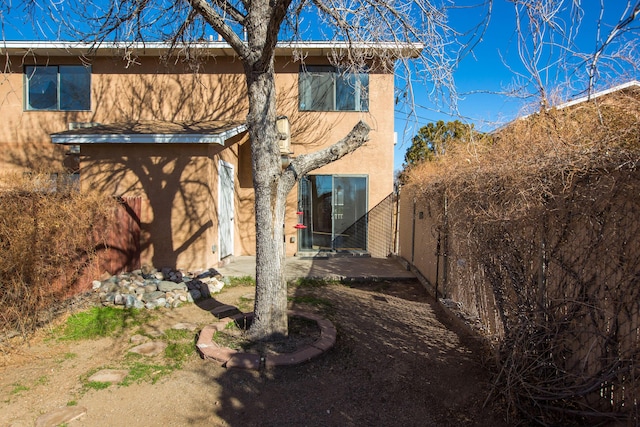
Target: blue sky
(483, 76)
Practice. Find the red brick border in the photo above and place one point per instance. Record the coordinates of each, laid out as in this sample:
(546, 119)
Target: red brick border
(235, 359)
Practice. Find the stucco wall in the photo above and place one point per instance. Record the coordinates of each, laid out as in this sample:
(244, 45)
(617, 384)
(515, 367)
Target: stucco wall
(178, 183)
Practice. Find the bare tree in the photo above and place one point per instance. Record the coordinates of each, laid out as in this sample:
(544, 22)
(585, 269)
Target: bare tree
(366, 29)
(551, 45)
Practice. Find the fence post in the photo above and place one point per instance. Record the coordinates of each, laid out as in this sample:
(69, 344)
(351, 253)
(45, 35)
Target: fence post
(413, 232)
(445, 247)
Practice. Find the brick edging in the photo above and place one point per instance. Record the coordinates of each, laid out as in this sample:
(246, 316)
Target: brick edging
(236, 359)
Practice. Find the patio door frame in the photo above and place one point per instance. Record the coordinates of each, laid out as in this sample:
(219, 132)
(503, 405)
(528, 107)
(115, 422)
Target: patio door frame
(306, 236)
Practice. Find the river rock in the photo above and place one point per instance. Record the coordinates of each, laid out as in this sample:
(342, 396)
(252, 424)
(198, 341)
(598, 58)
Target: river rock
(167, 286)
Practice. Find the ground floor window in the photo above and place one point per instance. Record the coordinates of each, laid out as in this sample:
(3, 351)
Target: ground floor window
(333, 208)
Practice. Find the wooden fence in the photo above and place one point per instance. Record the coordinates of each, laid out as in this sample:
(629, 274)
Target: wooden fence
(557, 292)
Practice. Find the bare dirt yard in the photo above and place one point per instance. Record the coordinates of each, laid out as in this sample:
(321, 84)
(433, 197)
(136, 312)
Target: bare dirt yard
(397, 361)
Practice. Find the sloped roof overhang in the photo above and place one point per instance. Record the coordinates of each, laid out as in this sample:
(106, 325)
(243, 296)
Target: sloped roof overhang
(214, 48)
(151, 132)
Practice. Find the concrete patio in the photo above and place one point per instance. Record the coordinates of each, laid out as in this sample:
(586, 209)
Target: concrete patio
(337, 268)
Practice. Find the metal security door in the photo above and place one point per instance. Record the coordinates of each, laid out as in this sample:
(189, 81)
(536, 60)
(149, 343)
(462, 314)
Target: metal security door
(225, 209)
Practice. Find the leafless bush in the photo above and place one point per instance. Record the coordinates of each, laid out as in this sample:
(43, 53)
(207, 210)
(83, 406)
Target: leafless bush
(546, 215)
(48, 236)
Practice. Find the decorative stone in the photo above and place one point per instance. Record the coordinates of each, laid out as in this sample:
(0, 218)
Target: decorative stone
(166, 286)
(112, 376)
(147, 269)
(130, 301)
(150, 287)
(118, 299)
(150, 349)
(152, 296)
(138, 339)
(185, 326)
(60, 416)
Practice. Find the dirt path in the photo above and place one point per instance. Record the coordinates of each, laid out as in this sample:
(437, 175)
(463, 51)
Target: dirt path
(395, 363)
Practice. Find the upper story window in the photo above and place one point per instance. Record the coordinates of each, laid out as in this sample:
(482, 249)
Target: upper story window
(57, 87)
(327, 88)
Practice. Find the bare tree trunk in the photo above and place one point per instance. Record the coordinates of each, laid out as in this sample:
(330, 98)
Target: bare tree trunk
(270, 314)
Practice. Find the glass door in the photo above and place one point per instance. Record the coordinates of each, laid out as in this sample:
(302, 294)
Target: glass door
(334, 211)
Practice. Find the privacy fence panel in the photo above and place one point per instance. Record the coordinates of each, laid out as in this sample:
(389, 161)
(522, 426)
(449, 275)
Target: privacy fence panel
(557, 289)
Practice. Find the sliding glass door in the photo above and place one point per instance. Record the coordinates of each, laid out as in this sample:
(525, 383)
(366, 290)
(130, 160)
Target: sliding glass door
(333, 209)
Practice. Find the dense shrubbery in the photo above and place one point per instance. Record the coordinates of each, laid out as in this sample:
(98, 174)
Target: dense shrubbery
(49, 235)
(544, 217)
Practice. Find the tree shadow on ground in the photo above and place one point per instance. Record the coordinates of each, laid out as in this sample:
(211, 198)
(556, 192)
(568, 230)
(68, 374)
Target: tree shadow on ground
(394, 363)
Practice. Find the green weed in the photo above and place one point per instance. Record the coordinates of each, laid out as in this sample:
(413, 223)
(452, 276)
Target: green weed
(245, 304)
(43, 380)
(240, 281)
(140, 372)
(101, 322)
(97, 385)
(19, 388)
(178, 334)
(179, 352)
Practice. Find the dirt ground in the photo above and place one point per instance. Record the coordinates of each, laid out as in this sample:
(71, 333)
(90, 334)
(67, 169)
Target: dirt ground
(397, 361)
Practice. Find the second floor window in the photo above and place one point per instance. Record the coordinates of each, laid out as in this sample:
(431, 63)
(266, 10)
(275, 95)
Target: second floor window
(327, 88)
(61, 87)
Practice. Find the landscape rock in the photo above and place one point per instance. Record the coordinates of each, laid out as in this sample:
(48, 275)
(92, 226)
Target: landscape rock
(138, 339)
(150, 288)
(112, 376)
(185, 326)
(60, 416)
(149, 349)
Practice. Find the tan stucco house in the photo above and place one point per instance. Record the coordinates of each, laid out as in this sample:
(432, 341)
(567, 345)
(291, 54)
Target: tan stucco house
(169, 131)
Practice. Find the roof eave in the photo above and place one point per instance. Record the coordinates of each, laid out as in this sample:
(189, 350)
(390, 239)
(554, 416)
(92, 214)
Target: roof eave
(216, 48)
(70, 138)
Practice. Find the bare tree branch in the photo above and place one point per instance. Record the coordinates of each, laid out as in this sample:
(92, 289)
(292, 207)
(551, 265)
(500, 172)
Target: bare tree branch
(305, 163)
(218, 23)
(615, 32)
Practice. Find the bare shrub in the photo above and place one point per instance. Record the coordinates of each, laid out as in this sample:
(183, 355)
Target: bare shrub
(48, 236)
(545, 214)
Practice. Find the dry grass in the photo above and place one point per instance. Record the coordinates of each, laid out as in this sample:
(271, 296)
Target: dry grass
(521, 165)
(48, 236)
(545, 214)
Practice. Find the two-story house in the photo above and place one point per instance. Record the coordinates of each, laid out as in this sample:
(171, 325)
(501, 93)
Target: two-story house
(169, 130)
